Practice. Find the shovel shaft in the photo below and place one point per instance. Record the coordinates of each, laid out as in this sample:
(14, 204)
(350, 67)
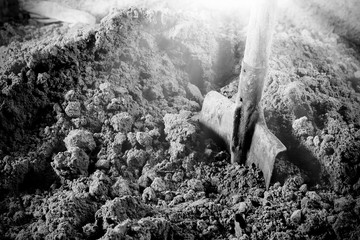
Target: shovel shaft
(252, 77)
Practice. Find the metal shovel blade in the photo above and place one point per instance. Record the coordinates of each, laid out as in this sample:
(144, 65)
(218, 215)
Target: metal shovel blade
(217, 114)
(266, 149)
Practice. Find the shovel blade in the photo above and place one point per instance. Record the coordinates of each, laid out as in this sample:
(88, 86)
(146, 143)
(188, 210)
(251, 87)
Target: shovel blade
(217, 114)
(266, 151)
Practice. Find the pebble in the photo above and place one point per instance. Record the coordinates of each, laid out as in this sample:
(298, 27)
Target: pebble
(148, 194)
(73, 109)
(169, 195)
(301, 72)
(303, 188)
(103, 164)
(296, 216)
(70, 95)
(357, 74)
(241, 207)
(316, 141)
(144, 181)
(302, 127)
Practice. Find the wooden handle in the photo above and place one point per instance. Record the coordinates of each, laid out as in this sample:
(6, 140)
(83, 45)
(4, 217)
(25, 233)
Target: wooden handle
(259, 35)
(252, 77)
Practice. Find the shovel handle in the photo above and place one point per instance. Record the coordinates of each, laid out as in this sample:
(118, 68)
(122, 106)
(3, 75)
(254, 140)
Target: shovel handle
(259, 35)
(257, 50)
(252, 76)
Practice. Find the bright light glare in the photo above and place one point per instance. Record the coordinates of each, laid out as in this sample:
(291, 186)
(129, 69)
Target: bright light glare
(224, 5)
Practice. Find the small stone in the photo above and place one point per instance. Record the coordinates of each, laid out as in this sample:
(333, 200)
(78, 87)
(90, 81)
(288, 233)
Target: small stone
(310, 141)
(122, 122)
(241, 207)
(70, 95)
(296, 216)
(303, 188)
(158, 184)
(195, 184)
(102, 164)
(144, 181)
(80, 138)
(148, 194)
(73, 109)
(316, 141)
(357, 74)
(106, 86)
(169, 195)
(301, 72)
(302, 127)
(144, 139)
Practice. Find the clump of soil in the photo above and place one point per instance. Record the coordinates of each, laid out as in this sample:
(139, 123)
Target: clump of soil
(99, 134)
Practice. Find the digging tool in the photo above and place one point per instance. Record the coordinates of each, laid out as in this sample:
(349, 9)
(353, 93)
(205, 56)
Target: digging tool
(242, 124)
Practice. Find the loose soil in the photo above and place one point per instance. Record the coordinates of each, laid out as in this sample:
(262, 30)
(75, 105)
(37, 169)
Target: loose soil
(100, 139)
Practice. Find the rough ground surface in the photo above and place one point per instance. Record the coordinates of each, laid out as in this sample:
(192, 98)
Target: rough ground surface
(99, 136)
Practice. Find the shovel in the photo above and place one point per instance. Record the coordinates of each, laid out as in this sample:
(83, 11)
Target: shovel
(241, 124)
